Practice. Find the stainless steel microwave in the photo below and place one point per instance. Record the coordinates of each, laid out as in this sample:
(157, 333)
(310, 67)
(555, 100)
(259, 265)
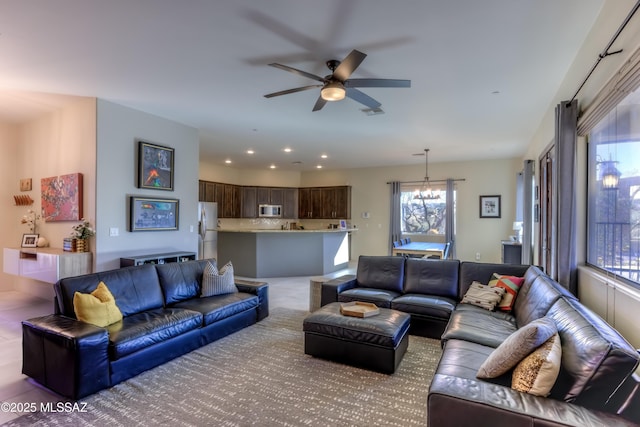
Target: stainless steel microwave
(269, 211)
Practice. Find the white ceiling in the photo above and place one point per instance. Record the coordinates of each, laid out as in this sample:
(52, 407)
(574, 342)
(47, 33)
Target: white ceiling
(204, 63)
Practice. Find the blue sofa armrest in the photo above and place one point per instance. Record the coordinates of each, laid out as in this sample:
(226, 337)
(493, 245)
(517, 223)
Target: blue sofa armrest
(332, 288)
(261, 289)
(65, 355)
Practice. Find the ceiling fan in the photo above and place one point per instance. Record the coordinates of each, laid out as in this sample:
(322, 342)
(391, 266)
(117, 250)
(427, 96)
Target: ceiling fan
(337, 85)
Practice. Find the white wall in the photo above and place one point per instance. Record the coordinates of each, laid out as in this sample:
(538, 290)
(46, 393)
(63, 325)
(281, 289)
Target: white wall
(118, 130)
(9, 213)
(58, 143)
(262, 177)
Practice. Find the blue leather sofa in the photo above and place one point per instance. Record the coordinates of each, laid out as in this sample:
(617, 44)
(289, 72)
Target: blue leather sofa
(164, 317)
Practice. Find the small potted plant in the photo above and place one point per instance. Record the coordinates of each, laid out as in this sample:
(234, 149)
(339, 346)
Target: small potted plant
(81, 233)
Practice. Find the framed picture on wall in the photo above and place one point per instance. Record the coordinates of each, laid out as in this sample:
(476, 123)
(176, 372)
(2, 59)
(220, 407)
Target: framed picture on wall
(489, 206)
(153, 214)
(61, 197)
(155, 166)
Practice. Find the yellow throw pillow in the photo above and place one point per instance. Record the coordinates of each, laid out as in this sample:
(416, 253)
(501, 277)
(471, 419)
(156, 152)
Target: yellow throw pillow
(98, 308)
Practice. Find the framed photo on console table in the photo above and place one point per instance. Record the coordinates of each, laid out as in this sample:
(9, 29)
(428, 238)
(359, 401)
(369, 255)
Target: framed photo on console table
(30, 240)
(155, 166)
(489, 206)
(153, 214)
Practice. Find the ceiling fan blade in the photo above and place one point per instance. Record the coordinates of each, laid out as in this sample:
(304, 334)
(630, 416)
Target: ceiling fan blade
(298, 72)
(349, 65)
(362, 98)
(288, 91)
(319, 104)
(377, 83)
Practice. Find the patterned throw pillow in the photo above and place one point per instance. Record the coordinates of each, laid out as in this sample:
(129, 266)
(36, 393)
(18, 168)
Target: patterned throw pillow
(483, 296)
(516, 347)
(216, 282)
(511, 284)
(98, 308)
(538, 372)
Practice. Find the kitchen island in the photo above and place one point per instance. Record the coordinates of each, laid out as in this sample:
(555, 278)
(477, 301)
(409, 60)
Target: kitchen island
(283, 253)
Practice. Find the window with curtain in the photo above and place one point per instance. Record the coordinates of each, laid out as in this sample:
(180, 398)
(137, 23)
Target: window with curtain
(423, 209)
(614, 191)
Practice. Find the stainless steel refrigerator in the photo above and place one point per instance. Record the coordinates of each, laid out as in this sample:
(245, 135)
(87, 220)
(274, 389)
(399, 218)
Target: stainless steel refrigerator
(207, 230)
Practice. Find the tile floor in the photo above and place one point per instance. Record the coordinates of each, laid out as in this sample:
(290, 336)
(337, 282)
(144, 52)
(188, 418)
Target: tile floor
(290, 292)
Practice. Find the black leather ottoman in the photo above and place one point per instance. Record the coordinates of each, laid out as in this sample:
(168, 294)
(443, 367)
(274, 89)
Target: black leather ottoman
(377, 343)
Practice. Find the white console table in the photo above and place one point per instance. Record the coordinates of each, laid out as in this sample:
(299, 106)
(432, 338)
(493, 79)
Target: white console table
(46, 264)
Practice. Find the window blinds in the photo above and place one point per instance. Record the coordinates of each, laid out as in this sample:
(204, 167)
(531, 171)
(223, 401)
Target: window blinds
(625, 81)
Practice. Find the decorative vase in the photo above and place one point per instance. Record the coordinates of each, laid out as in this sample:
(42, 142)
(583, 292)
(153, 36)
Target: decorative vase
(82, 245)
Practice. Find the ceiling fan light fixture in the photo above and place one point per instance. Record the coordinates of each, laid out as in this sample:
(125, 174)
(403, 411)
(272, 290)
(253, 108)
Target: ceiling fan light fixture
(333, 91)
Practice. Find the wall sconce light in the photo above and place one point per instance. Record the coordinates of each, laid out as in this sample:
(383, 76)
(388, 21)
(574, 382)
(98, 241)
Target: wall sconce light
(610, 175)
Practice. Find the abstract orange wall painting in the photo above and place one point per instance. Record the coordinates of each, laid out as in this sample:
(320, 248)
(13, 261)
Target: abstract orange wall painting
(155, 166)
(62, 197)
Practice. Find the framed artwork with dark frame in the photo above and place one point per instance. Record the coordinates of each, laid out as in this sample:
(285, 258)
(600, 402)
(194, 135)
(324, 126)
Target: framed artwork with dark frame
(153, 214)
(489, 206)
(30, 240)
(155, 166)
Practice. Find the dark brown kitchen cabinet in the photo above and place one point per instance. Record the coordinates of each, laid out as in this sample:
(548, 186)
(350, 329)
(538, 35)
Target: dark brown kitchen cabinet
(263, 196)
(252, 197)
(202, 185)
(249, 202)
(310, 203)
(276, 196)
(342, 207)
(290, 203)
(270, 195)
(230, 205)
(206, 191)
(235, 201)
(336, 202)
(324, 202)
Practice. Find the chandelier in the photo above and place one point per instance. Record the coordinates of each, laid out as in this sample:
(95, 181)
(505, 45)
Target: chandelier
(425, 192)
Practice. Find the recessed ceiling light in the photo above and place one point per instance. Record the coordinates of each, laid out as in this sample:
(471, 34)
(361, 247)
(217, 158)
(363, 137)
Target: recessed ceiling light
(272, 166)
(288, 150)
(319, 167)
(228, 161)
(250, 152)
(324, 156)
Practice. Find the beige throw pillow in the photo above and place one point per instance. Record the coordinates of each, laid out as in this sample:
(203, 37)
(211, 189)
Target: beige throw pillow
(216, 282)
(538, 372)
(516, 347)
(483, 295)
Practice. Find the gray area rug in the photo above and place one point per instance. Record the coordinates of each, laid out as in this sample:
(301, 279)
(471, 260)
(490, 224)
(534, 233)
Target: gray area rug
(261, 376)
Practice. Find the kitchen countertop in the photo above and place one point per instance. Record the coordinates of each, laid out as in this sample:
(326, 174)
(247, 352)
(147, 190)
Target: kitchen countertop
(275, 230)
